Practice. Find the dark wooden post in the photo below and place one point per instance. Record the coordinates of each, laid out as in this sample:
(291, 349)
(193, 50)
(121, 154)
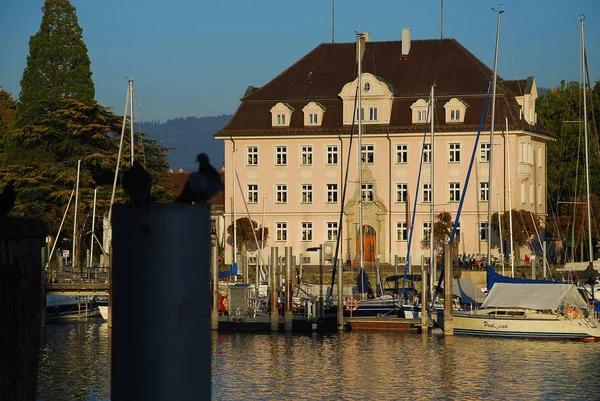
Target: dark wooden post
(22, 293)
(161, 344)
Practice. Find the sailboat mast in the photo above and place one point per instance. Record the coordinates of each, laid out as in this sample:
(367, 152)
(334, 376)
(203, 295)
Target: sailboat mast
(510, 227)
(585, 135)
(432, 261)
(490, 186)
(93, 229)
(131, 116)
(360, 40)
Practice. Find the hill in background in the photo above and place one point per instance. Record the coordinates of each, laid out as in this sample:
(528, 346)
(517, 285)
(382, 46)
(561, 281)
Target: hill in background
(188, 136)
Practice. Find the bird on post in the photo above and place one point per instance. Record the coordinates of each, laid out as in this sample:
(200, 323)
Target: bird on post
(7, 199)
(201, 185)
(137, 183)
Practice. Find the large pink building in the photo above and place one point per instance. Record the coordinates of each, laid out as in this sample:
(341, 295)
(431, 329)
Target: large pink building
(289, 143)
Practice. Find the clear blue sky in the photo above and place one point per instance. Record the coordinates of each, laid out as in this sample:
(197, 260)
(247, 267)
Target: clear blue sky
(196, 58)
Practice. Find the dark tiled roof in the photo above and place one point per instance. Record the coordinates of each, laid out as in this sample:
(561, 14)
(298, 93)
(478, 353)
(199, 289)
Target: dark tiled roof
(320, 76)
(519, 87)
(178, 180)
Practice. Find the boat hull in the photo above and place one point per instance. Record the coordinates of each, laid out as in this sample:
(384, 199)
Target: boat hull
(550, 327)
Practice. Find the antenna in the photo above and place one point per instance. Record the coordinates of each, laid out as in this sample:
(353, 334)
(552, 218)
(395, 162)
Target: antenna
(332, 21)
(500, 10)
(441, 19)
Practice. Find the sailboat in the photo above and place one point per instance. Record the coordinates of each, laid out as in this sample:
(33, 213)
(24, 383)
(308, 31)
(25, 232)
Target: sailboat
(532, 309)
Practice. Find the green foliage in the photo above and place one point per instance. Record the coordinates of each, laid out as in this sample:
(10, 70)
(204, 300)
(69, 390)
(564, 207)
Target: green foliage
(524, 226)
(42, 163)
(7, 115)
(559, 110)
(58, 65)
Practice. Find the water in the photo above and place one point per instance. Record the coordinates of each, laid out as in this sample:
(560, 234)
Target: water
(75, 365)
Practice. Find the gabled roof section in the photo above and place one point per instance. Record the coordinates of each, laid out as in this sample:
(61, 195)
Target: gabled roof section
(320, 75)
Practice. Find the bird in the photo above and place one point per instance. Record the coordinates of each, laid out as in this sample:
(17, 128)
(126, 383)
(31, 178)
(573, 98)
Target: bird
(201, 185)
(137, 183)
(7, 199)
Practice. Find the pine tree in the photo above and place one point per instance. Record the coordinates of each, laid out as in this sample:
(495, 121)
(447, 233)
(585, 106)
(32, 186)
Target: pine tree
(7, 115)
(58, 65)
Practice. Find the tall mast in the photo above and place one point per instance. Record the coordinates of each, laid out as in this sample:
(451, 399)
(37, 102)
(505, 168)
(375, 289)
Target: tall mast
(490, 186)
(510, 230)
(131, 116)
(93, 230)
(74, 256)
(432, 261)
(332, 21)
(585, 135)
(360, 39)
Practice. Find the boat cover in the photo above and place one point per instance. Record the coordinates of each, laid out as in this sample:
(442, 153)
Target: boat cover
(230, 272)
(362, 282)
(533, 296)
(493, 277)
(466, 289)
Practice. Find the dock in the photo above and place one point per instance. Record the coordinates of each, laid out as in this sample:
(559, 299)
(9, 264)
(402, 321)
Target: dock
(382, 323)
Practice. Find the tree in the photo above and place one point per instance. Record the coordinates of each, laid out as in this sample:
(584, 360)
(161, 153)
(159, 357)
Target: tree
(245, 231)
(58, 65)
(525, 224)
(7, 115)
(45, 170)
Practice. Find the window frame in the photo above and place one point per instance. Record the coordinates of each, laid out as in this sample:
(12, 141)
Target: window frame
(306, 155)
(252, 193)
(401, 231)
(367, 153)
(454, 195)
(484, 191)
(306, 231)
(281, 194)
(332, 230)
(251, 155)
(401, 192)
(280, 155)
(331, 192)
(454, 152)
(306, 194)
(484, 152)
(281, 231)
(332, 153)
(401, 153)
(426, 193)
(367, 192)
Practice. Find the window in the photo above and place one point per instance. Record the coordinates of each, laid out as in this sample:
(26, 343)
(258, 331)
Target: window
(367, 192)
(281, 193)
(420, 111)
(332, 154)
(332, 230)
(427, 153)
(281, 115)
(484, 191)
(483, 231)
(306, 155)
(280, 119)
(252, 155)
(281, 155)
(425, 230)
(454, 156)
(306, 193)
(332, 193)
(373, 113)
(484, 152)
(313, 118)
(401, 192)
(252, 190)
(526, 153)
(362, 114)
(401, 231)
(313, 113)
(368, 154)
(306, 228)
(401, 153)
(422, 116)
(281, 231)
(454, 115)
(455, 192)
(426, 192)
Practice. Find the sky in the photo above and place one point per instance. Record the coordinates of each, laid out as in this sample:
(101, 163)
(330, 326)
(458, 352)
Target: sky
(196, 58)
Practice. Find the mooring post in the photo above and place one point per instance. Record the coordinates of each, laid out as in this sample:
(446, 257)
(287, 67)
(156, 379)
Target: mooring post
(161, 336)
(340, 296)
(424, 295)
(288, 288)
(274, 287)
(448, 291)
(21, 297)
(214, 264)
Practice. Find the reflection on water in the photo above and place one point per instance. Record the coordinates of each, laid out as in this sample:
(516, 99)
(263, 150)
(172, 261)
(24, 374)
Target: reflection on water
(75, 365)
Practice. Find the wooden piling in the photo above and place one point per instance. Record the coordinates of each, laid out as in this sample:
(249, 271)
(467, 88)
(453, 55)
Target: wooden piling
(21, 298)
(288, 288)
(274, 289)
(340, 296)
(161, 342)
(448, 291)
(424, 295)
(214, 265)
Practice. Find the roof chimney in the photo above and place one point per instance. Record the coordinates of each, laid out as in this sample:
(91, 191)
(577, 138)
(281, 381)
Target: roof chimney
(367, 36)
(405, 41)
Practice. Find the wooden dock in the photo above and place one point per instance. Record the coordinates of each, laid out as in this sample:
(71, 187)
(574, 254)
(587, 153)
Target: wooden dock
(382, 323)
(261, 323)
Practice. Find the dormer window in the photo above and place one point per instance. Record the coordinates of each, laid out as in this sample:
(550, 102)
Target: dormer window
(455, 110)
(419, 111)
(313, 114)
(281, 114)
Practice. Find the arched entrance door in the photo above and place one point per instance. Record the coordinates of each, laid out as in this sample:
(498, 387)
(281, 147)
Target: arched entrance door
(369, 241)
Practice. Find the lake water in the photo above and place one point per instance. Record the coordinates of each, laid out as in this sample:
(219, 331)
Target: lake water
(75, 365)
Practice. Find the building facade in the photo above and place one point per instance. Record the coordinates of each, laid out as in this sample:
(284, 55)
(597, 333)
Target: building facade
(291, 144)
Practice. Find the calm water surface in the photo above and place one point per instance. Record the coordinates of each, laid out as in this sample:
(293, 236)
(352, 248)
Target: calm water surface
(75, 365)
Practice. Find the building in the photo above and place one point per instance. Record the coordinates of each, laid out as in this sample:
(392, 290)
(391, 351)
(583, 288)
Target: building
(289, 142)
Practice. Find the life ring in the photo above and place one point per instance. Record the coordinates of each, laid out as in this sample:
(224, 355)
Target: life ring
(351, 304)
(570, 313)
(223, 303)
